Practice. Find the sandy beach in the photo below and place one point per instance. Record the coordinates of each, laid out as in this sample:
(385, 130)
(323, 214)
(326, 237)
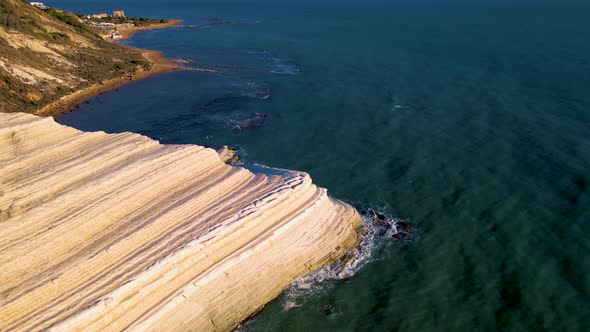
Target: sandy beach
(126, 33)
(160, 65)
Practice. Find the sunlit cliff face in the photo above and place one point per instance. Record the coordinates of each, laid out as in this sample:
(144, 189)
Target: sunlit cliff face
(118, 231)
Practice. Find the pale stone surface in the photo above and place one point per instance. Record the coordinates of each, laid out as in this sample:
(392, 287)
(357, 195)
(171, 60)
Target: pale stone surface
(108, 232)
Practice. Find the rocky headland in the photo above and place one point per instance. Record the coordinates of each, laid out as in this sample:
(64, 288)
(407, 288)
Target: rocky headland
(108, 232)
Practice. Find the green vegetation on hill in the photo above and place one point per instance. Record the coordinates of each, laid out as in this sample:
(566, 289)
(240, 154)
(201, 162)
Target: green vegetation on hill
(45, 54)
(67, 18)
(7, 17)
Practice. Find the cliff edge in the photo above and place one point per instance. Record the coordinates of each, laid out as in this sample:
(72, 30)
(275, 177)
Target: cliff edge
(106, 232)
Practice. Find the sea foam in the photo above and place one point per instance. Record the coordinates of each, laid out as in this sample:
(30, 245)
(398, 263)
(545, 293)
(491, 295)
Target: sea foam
(379, 229)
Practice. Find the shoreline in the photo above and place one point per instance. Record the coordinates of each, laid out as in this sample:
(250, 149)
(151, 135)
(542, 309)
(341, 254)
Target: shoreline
(127, 33)
(159, 65)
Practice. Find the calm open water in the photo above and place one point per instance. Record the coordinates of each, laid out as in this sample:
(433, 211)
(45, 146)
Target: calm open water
(471, 119)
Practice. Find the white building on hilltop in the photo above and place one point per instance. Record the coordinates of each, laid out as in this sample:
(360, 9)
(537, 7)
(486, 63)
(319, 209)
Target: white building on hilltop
(101, 15)
(38, 5)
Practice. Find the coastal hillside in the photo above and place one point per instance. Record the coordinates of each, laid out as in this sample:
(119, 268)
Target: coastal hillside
(110, 232)
(46, 54)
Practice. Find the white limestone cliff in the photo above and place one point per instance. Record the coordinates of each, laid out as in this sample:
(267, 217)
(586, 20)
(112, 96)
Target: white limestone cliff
(110, 232)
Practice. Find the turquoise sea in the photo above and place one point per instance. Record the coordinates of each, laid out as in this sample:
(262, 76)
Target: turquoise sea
(469, 119)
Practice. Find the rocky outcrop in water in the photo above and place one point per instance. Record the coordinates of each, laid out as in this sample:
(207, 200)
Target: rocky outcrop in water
(116, 231)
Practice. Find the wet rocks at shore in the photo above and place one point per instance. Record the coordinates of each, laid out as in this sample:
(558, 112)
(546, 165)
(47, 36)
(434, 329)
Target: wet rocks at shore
(384, 226)
(228, 155)
(184, 61)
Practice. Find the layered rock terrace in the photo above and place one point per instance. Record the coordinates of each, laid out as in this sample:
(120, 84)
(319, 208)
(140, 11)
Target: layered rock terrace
(110, 232)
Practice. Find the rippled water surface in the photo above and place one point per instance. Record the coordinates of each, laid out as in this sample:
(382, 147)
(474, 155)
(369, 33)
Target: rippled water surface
(469, 119)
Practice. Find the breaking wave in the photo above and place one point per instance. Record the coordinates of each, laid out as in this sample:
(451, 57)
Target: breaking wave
(379, 229)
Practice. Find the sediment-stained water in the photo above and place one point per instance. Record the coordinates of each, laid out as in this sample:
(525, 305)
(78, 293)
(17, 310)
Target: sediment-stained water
(468, 120)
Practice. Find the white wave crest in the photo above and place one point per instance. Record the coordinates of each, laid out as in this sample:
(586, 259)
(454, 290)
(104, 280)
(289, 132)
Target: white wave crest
(378, 229)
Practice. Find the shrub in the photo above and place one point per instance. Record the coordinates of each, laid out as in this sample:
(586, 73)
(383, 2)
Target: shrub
(67, 18)
(8, 17)
(143, 63)
(62, 89)
(57, 36)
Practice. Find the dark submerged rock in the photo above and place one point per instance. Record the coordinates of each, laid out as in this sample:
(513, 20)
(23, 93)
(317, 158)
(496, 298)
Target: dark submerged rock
(250, 122)
(328, 309)
(402, 229)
